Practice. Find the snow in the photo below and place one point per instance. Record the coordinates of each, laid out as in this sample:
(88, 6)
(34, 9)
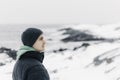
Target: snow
(107, 31)
(73, 65)
(76, 67)
(6, 71)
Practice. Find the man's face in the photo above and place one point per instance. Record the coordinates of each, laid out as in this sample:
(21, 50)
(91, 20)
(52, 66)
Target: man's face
(39, 44)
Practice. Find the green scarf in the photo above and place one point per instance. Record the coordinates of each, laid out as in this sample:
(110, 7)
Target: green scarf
(24, 49)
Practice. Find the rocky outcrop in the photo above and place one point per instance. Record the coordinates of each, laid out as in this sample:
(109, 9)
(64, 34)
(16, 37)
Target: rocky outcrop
(107, 57)
(11, 53)
(77, 35)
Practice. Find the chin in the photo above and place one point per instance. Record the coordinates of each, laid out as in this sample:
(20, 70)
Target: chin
(41, 50)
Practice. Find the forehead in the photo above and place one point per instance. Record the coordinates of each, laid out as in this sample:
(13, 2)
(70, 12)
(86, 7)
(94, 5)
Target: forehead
(40, 36)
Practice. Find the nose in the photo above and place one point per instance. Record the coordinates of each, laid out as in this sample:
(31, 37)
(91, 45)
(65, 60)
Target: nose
(44, 42)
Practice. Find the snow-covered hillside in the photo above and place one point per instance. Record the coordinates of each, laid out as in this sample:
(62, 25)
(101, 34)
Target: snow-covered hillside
(92, 53)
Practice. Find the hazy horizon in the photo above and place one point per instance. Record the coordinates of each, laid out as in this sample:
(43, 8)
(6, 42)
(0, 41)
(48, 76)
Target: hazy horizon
(59, 11)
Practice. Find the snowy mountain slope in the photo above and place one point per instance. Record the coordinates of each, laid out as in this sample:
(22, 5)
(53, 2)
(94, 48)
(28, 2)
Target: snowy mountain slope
(77, 65)
(84, 60)
(107, 31)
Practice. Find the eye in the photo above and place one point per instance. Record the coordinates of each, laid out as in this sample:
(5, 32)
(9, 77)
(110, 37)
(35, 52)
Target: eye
(41, 38)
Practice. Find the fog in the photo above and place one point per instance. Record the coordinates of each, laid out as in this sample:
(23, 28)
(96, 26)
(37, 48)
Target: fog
(59, 11)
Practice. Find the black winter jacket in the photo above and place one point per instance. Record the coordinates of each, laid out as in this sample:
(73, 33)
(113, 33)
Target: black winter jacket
(30, 67)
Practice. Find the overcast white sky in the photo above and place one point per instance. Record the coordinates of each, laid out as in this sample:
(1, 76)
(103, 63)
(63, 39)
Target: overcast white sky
(59, 11)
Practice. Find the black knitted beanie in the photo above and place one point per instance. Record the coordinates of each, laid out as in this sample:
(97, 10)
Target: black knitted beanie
(30, 35)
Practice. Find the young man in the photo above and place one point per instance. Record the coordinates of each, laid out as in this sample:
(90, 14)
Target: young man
(30, 57)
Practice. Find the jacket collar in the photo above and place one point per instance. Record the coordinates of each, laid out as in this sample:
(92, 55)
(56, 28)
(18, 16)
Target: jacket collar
(23, 49)
(33, 54)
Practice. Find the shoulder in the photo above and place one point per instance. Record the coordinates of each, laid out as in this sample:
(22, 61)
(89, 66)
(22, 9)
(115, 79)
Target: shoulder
(29, 62)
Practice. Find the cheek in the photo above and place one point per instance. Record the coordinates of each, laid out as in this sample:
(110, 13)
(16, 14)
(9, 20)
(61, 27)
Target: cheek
(40, 44)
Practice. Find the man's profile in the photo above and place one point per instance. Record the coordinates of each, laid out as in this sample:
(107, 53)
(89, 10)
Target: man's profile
(30, 57)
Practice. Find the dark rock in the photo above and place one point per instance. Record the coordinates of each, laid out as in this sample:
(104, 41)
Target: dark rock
(9, 52)
(75, 48)
(67, 29)
(105, 57)
(77, 35)
(70, 57)
(60, 50)
(12, 54)
(109, 60)
(55, 71)
(97, 61)
(83, 45)
(55, 51)
(49, 39)
(1, 64)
